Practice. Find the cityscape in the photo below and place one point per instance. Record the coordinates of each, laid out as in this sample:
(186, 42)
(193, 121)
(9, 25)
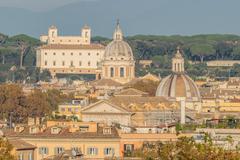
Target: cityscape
(125, 97)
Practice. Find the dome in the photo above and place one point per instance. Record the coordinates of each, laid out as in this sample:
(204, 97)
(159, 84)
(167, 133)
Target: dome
(118, 49)
(178, 85)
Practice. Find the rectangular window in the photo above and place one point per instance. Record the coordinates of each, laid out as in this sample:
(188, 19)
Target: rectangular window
(92, 151)
(43, 151)
(121, 72)
(54, 53)
(69, 109)
(89, 63)
(80, 63)
(30, 156)
(71, 63)
(112, 72)
(77, 149)
(63, 53)
(63, 63)
(63, 109)
(45, 63)
(54, 63)
(108, 151)
(128, 147)
(45, 53)
(20, 156)
(59, 150)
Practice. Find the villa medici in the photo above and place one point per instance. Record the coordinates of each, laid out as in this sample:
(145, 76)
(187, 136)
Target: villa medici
(77, 55)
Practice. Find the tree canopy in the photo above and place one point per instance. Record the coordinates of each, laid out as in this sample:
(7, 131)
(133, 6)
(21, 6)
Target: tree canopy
(6, 150)
(13, 102)
(186, 149)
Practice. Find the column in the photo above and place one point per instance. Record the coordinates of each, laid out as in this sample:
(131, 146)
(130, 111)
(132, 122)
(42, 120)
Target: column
(183, 113)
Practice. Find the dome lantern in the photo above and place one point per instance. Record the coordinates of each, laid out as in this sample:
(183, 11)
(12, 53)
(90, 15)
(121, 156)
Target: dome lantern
(178, 62)
(118, 35)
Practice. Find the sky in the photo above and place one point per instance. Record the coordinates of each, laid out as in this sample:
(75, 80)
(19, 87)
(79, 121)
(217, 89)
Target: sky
(156, 17)
(36, 5)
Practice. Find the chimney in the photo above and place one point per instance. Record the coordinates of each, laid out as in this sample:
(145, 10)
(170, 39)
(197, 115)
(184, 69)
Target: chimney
(37, 120)
(31, 121)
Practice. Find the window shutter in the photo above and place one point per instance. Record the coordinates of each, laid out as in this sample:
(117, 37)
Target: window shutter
(40, 150)
(88, 151)
(55, 151)
(105, 151)
(96, 151)
(47, 151)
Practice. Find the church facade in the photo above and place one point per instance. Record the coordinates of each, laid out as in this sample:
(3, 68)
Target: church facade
(78, 55)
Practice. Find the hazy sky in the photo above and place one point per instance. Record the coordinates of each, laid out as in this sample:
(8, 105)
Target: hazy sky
(162, 17)
(37, 5)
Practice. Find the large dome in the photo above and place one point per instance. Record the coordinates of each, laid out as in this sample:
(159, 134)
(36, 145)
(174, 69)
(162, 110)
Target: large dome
(118, 49)
(178, 85)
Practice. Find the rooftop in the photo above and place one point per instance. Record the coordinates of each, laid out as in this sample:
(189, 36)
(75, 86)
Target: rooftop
(73, 47)
(20, 144)
(64, 133)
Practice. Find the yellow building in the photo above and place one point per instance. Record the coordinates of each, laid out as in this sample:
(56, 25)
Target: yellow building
(70, 109)
(92, 140)
(22, 150)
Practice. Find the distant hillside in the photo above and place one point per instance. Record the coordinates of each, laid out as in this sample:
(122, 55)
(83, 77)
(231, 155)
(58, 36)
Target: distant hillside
(159, 49)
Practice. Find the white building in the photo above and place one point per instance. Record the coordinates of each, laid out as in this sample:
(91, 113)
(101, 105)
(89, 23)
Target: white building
(69, 54)
(77, 55)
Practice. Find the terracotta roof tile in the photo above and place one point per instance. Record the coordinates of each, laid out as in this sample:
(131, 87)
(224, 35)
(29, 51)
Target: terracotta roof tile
(64, 133)
(106, 82)
(20, 144)
(131, 92)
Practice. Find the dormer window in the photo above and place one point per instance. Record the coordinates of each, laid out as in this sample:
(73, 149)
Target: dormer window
(55, 130)
(32, 130)
(19, 129)
(107, 130)
(83, 128)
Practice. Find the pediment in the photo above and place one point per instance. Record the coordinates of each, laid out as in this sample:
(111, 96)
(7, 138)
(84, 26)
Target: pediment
(103, 107)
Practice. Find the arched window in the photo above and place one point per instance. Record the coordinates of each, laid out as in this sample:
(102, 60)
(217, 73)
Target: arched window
(121, 72)
(112, 72)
